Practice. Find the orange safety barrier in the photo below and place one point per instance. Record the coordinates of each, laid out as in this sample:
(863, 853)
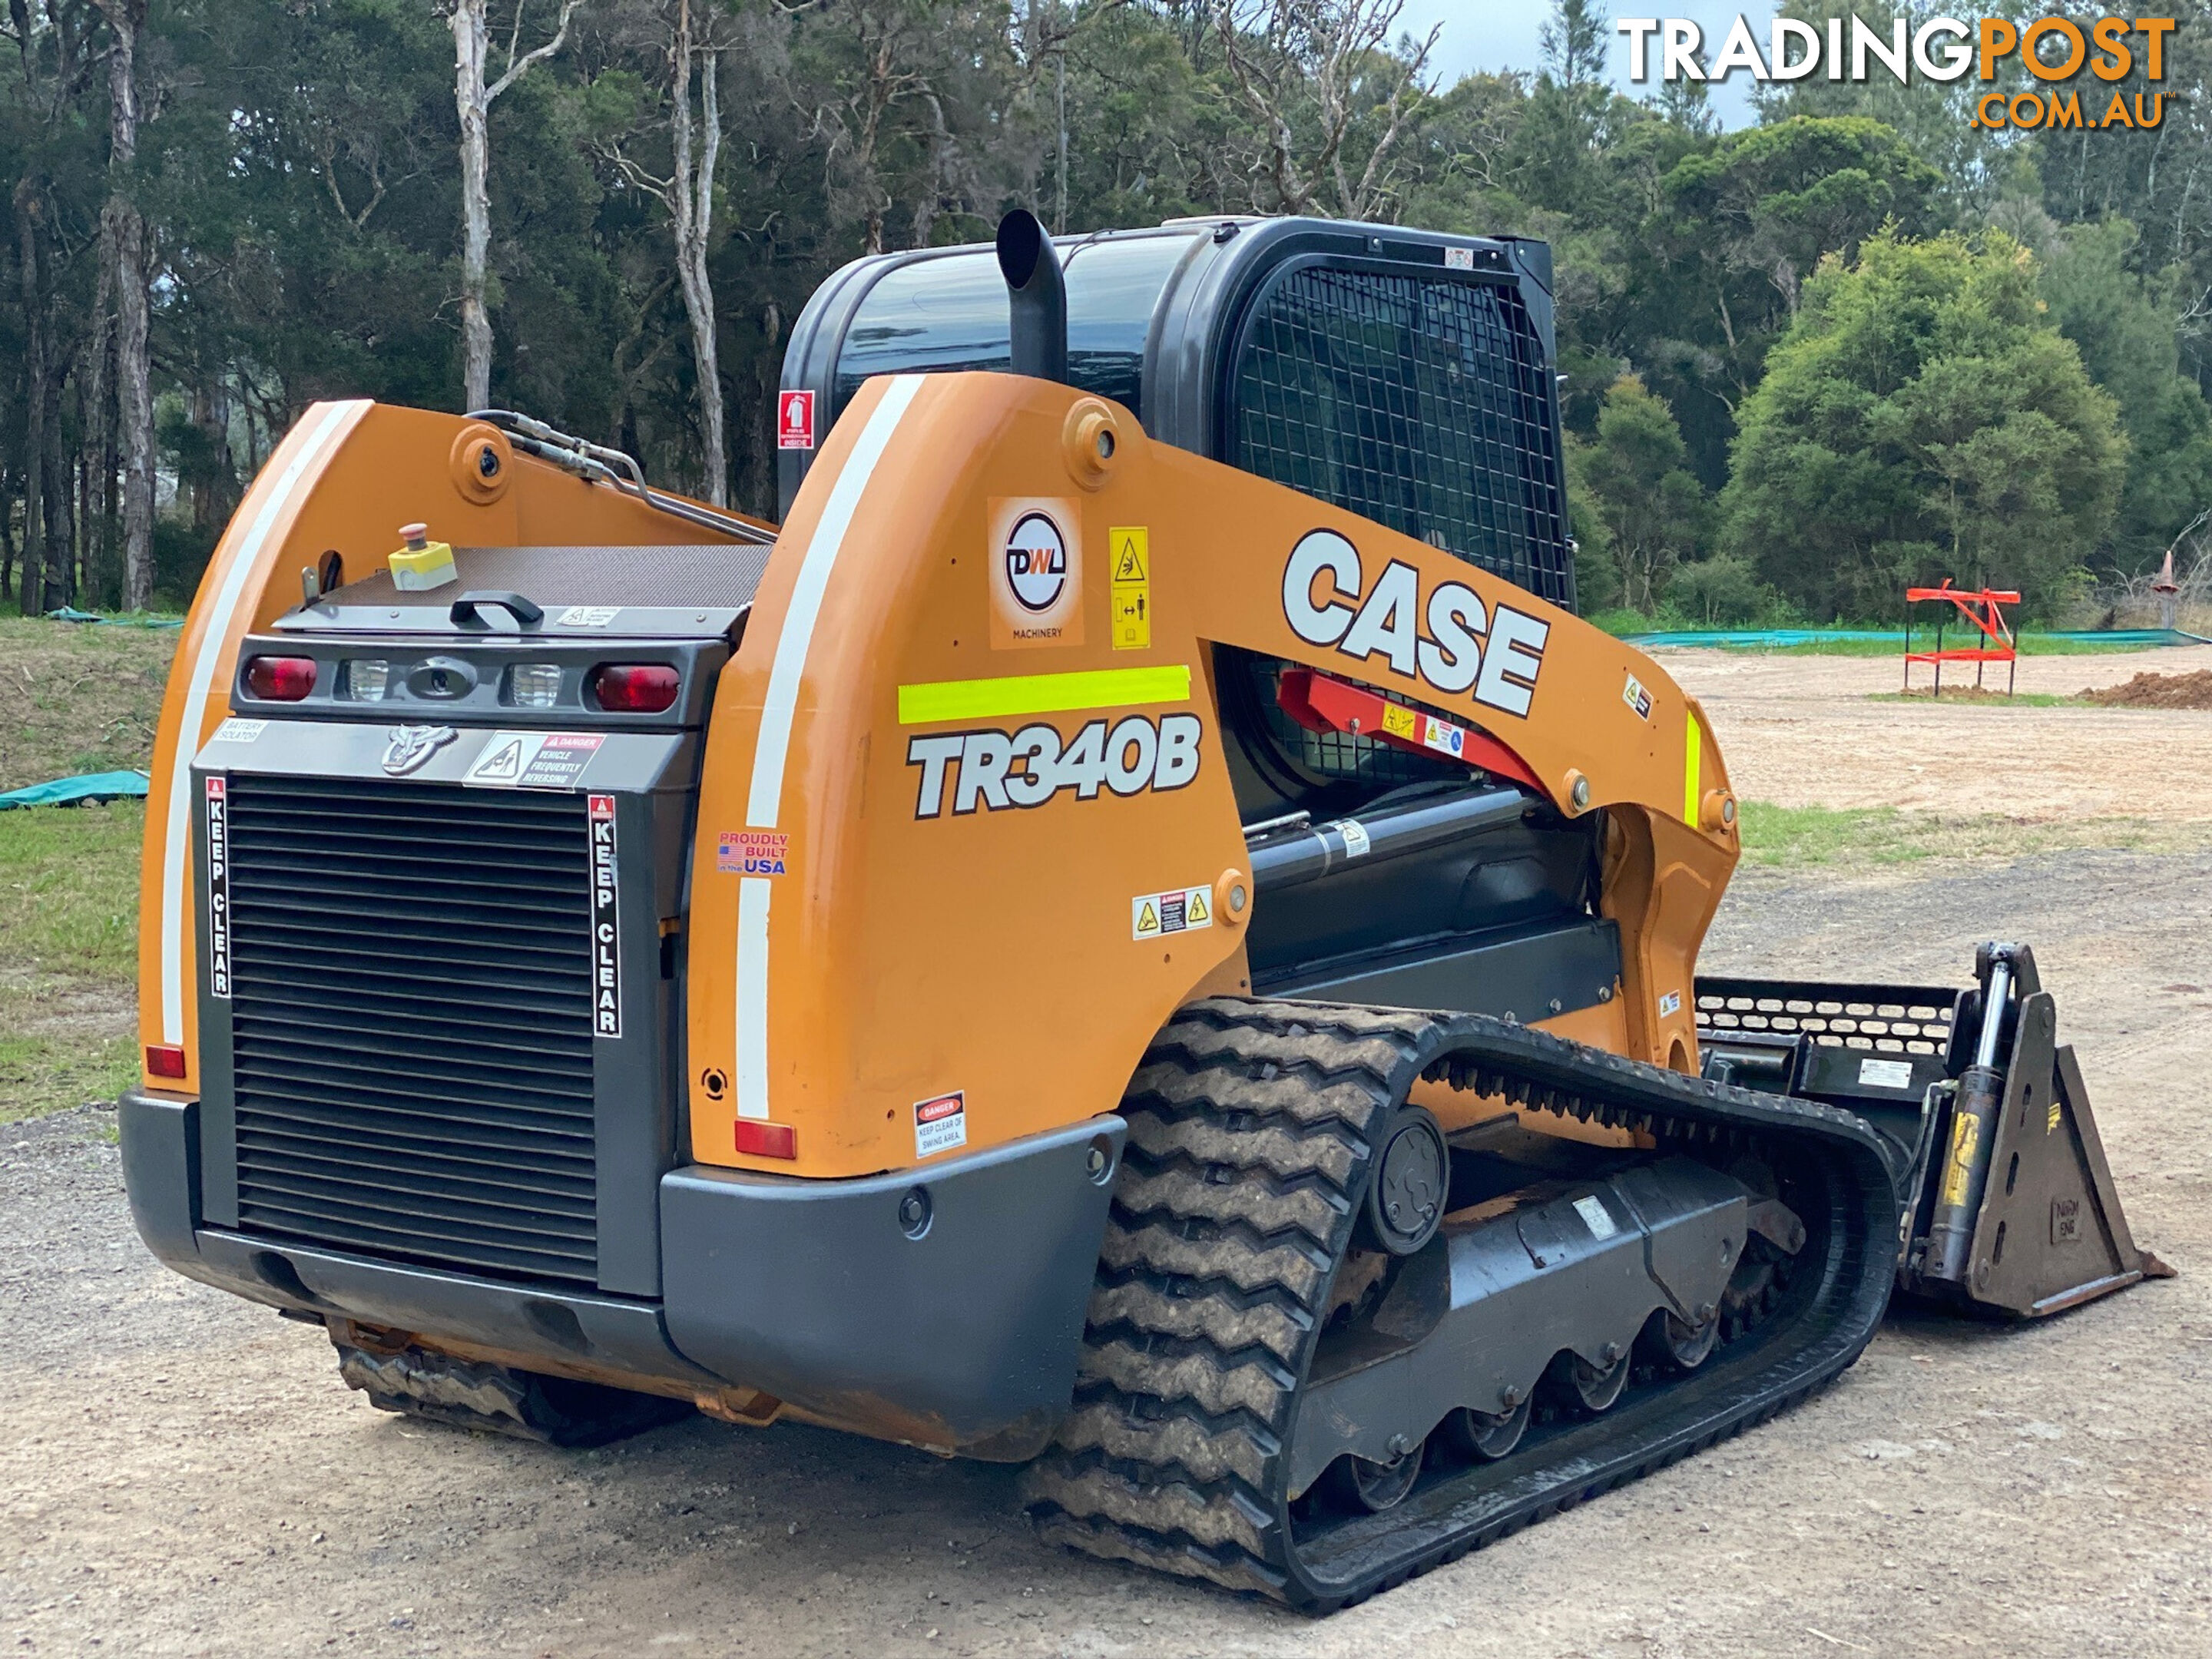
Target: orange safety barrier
(1980, 606)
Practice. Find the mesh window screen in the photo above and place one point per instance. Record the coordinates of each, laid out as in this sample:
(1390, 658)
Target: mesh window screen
(1422, 404)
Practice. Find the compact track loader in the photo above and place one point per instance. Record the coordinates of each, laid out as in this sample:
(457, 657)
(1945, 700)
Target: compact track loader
(1135, 934)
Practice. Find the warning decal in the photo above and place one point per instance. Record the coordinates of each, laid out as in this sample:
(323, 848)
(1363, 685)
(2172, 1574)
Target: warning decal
(218, 857)
(1130, 548)
(533, 760)
(1178, 911)
(940, 1123)
(606, 922)
(1636, 697)
(589, 616)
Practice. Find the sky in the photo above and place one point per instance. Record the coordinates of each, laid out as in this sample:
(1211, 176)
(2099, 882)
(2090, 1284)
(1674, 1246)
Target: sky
(1504, 34)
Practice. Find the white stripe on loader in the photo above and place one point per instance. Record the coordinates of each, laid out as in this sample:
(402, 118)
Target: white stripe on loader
(764, 803)
(176, 867)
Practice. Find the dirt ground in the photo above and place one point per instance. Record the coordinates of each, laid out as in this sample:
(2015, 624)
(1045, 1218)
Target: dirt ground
(1807, 730)
(184, 1474)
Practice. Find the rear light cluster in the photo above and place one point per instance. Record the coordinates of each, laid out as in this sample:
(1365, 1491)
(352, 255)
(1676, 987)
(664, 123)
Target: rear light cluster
(620, 687)
(534, 684)
(280, 679)
(634, 688)
(366, 679)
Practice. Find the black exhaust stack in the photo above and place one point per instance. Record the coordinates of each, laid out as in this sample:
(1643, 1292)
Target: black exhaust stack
(1036, 295)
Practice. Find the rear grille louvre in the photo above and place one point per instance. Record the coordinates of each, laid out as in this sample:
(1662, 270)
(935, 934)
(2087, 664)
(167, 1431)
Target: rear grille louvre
(410, 1023)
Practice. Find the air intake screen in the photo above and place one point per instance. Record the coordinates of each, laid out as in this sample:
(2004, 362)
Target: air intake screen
(412, 1023)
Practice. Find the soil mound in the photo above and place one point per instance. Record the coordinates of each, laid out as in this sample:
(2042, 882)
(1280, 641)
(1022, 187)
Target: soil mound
(2158, 691)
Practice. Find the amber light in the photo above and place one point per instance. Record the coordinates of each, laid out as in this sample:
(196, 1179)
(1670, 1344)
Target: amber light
(280, 679)
(164, 1061)
(634, 688)
(759, 1139)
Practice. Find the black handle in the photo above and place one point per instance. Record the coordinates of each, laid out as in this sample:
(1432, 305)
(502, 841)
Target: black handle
(466, 607)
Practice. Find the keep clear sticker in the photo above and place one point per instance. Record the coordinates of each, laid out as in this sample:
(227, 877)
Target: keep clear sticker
(940, 1123)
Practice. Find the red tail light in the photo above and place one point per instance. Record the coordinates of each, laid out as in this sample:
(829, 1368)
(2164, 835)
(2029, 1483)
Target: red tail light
(634, 688)
(280, 679)
(760, 1140)
(163, 1061)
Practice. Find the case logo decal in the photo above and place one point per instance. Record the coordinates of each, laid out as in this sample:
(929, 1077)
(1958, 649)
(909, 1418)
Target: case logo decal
(994, 770)
(1037, 573)
(1446, 639)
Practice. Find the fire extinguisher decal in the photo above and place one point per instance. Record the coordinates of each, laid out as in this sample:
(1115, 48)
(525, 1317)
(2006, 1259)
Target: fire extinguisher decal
(794, 420)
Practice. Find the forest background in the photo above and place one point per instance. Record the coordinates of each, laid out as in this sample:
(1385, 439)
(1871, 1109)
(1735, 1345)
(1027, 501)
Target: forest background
(1859, 343)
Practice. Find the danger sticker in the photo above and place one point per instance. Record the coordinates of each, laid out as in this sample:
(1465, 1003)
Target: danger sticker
(1636, 697)
(589, 616)
(1178, 911)
(752, 852)
(940, 1123)
(606, 922)
(794, 420)
(1670, 1005)
(533, 760)
(218, 864)
(238, 730)
(1411, 725)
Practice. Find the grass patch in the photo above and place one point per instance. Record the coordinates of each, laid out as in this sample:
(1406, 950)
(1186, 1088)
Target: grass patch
(69, 954)
(42, 1074)
(1967, 697)
(77, 698)
(1795, 837)
(69, 890)
(2028, 645)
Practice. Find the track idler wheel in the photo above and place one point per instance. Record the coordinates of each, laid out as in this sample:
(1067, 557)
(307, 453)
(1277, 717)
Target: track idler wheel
(1682, 1343)
(1405, 1202)
(1361, 1486)
(1596, 1386)
(1487, 1435)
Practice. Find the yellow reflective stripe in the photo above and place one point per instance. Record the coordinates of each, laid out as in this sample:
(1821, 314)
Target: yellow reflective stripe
(1041, 694)
(1692, 798)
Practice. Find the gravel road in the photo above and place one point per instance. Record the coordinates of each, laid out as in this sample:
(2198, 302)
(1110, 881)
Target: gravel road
(184, 1474)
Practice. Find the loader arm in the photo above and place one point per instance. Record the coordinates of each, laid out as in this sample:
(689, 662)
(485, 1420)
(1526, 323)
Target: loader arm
(903, 712)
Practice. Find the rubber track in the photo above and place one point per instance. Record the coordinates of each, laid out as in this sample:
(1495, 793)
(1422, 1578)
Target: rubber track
(1250, 1126)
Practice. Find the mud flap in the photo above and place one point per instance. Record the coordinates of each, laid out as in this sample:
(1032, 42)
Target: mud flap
(2023, 1218)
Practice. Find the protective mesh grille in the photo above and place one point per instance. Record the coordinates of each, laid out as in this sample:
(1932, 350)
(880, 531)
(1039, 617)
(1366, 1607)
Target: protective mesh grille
(412, 1023)
(1424, 405)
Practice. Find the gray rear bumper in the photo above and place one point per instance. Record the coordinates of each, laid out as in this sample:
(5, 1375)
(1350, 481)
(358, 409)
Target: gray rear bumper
(960, 1334)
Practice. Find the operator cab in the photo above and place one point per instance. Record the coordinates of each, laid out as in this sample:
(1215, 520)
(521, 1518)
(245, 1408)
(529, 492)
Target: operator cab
(1403, 375)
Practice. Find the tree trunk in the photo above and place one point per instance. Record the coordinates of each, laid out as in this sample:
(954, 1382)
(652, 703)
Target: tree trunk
(124, 236)
(692, 205)
(474, 108)
(28, 207)
(57, 583)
